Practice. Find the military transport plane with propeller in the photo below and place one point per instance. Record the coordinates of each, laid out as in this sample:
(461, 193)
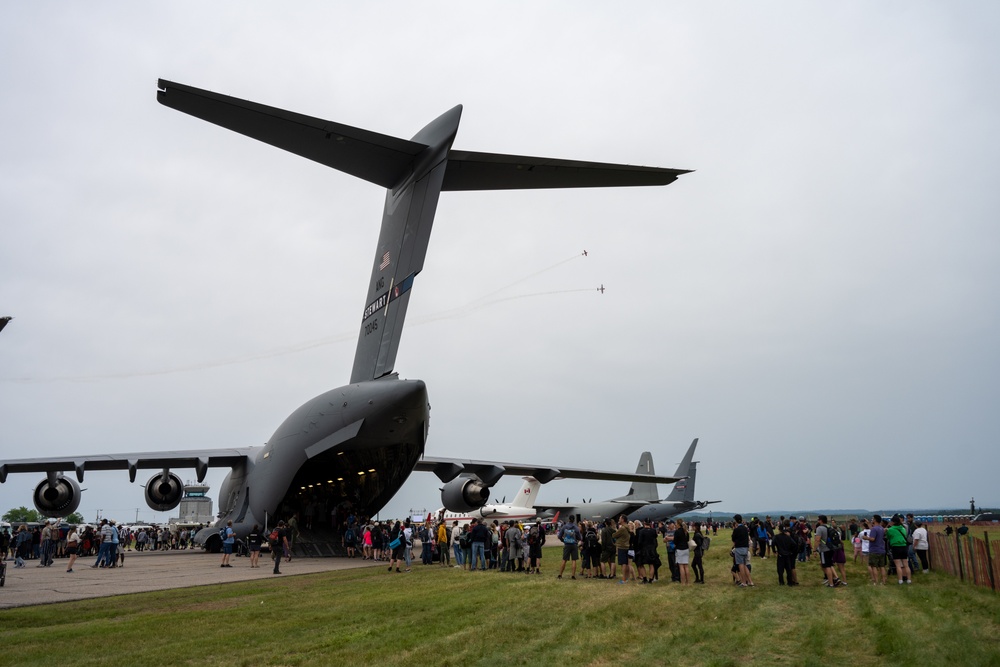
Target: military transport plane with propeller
(642, 500)
(360, 441)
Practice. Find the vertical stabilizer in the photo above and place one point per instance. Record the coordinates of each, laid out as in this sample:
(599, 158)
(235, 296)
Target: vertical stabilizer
(529, 491)
(644, 490)
(402, 245)
(683, 490)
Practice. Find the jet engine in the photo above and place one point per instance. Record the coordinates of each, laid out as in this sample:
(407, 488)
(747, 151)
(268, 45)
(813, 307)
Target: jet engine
(57, 496)
(164, 491)
(464, 494)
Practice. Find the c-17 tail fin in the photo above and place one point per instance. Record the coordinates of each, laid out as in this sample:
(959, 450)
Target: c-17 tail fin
(414, 172)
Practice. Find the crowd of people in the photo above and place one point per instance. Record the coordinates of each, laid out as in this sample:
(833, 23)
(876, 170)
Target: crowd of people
(621, 550)
(614, 549)
(887, 546)
(629, 551)
(108, 541)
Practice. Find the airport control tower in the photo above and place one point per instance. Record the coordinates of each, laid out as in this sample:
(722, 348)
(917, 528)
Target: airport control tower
(196, 506)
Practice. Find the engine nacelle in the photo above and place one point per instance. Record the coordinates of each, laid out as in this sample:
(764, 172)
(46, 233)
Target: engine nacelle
(162, 494)
(464, 494)
(58, 498)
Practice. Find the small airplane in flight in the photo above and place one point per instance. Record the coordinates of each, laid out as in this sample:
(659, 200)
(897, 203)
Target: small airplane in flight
(601, 288)
(359, 442)
(521, 509)
(642, 500)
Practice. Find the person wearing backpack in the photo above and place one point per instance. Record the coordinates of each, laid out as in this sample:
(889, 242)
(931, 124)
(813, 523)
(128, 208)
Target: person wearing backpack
(570, 536)
(592, 549)
(823, 546)
(278, 541)
(837, 547)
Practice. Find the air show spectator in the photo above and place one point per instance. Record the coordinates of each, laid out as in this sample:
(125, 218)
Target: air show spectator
(570, 536)
(876, 551)
(921, 545)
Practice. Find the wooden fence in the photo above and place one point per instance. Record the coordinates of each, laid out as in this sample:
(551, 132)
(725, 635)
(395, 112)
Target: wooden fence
(967, 557)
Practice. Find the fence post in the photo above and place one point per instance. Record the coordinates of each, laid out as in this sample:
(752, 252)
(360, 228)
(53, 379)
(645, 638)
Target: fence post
(958, 550)
(989, 561)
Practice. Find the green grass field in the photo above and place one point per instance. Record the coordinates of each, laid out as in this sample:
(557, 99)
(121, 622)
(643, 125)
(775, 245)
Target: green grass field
(441, 616)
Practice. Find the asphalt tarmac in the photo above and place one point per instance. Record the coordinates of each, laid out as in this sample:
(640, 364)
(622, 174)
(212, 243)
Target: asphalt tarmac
(146, 571)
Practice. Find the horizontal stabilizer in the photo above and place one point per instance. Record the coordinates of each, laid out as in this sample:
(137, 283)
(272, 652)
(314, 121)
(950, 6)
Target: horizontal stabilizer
(468, 170)
(376, 158)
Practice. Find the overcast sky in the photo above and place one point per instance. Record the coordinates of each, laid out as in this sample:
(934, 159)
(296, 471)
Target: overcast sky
(818, 301)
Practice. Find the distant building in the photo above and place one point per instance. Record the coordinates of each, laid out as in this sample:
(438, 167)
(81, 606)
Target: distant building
(196, 506)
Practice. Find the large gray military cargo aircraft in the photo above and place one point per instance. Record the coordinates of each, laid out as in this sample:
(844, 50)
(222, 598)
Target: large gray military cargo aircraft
(361, 441)
(643, 499)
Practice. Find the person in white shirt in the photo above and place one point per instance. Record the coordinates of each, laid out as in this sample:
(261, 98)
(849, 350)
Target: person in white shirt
(921, 545)
(72, 547)
(865, 532)
(456, 533)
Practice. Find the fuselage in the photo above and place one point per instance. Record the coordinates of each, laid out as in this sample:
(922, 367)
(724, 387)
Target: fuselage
(356, 444)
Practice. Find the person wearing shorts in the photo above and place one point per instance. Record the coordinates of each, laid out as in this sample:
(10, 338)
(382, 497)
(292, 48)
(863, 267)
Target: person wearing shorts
(741, 551)
(896, 537)
(825, 552)
(254, 540)
(876, 550)
(571, 537)
(227, 544)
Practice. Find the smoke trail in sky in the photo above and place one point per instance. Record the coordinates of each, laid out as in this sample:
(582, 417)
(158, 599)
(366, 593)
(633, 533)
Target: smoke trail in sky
(477, 304)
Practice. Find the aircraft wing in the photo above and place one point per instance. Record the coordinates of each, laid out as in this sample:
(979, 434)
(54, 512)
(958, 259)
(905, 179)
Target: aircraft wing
(200, 459)
(468, 170)
(490, 471)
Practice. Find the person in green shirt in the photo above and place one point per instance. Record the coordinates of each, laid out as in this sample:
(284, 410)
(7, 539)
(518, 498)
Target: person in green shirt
(896, 537)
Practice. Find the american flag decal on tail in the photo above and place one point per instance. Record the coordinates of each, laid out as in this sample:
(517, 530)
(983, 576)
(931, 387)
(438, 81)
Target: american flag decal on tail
(384, 263)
